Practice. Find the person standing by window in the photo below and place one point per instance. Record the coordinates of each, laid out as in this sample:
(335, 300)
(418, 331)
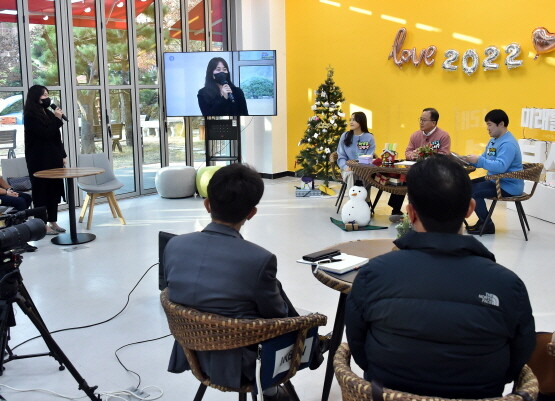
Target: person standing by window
(44, 150)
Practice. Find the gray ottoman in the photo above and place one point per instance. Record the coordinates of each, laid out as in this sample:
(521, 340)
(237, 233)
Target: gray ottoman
(176, 182)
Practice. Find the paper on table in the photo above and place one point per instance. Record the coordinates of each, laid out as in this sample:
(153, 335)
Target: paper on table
(459, 158)
(405, 163)
(345, 263)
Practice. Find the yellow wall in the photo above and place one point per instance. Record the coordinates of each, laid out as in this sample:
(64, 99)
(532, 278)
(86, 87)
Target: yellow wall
(357, 46)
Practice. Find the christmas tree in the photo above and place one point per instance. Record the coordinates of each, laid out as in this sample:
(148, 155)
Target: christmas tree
(323, 131)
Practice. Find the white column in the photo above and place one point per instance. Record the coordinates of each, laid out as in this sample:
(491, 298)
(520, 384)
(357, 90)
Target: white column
(264, 140)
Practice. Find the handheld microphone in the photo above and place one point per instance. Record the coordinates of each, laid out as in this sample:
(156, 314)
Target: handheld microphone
(230, 94)
(221, 78)
(54, 107)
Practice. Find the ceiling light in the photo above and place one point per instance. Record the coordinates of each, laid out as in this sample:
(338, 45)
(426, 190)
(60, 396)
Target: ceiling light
(467, 38)
(45, 18)
(331, 3)
(428, 28)
(360, 10)
(88, 10)
(393, 19)
(120, 4)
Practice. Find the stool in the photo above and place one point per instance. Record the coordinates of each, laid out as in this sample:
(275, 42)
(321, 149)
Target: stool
(204, 174)
(175, 182)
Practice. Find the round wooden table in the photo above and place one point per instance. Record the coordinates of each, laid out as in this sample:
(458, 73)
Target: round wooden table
(369, 248)
(73, 238)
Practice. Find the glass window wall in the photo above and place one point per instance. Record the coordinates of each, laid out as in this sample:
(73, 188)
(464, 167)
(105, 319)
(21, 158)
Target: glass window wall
(10, 60)
(44, 43)
(112, 88)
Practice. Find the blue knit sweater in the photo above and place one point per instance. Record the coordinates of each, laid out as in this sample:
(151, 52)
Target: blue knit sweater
(363, 144)
(502, 155)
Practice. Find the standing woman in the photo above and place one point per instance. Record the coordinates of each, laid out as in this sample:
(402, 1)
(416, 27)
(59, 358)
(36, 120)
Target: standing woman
(357, 141)
(220, 97)
(44, 150)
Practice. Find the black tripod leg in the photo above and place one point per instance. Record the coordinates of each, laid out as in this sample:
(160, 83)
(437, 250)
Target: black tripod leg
(4, 332)
(28, 307)
(22, 292)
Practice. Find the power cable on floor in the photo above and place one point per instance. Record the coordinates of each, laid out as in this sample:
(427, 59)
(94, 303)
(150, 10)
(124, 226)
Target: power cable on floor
(98, 323)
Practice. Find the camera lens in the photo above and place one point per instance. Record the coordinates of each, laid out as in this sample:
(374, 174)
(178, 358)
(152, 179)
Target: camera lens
(17, 236)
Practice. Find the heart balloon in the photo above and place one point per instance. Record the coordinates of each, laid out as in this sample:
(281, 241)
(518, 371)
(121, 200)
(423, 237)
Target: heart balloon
(543, 40)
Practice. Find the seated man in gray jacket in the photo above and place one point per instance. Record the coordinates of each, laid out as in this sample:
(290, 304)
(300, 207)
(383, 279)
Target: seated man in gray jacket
(439, 317)
(218, 271)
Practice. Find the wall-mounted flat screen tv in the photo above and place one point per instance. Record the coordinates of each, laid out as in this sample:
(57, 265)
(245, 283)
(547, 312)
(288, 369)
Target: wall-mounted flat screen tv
(234, 83)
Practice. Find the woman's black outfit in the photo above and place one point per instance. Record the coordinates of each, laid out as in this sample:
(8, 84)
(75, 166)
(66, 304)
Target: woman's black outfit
(214, 104)
(44, 150)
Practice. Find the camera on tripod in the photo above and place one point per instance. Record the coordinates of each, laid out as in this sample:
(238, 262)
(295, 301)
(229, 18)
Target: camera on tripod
(13, 238)
(17, 231)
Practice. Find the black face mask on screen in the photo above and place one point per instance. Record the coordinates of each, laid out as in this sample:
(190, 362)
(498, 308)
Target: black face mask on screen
(221, 78)
(46, 102)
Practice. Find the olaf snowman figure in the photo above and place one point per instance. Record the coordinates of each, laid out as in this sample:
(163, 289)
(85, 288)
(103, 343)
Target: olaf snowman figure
(356, 210)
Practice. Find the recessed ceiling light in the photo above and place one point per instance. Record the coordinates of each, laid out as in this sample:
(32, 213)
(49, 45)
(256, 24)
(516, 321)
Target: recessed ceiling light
(88, 10)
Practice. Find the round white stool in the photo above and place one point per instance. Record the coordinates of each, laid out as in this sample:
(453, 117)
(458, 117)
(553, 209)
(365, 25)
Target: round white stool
(176, 182)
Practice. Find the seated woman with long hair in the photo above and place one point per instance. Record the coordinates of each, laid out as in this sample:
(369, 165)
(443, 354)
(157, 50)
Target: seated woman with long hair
(357, 141)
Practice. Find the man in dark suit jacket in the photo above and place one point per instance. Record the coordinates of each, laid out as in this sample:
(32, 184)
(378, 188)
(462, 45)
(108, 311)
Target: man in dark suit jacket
(218, 271)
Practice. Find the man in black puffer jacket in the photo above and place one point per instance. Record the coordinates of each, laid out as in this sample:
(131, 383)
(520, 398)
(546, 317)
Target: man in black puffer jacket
(439, 317)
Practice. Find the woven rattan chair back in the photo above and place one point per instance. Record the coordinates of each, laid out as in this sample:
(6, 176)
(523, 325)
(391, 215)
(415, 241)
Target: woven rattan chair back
(354, 388)
(530, 172)
(199, 331)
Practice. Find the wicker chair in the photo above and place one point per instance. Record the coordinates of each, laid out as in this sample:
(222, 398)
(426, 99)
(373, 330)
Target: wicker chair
(199, 331)
(354, 388)
(542, 362)
(529, 172)
(333, 162)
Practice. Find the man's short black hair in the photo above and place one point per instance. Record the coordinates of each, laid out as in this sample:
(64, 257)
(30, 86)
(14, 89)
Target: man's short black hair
(434, 114)
(440, 191)
(496, 116)
(233, 191)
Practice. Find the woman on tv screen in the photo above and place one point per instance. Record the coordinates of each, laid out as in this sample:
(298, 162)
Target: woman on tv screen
(220, 97)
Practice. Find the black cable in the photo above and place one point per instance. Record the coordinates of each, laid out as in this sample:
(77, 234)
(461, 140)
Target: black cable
(94, 324)
(137, 342)
(252, 118)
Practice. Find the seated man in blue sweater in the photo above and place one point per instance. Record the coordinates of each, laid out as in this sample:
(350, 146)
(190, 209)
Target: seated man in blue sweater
(439, 317)
(502, 155)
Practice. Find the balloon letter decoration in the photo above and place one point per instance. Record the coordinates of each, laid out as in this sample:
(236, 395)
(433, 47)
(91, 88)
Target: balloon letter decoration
(492, 53)
(451, 56)
(513, 51)
(470, 54)
(401, 56)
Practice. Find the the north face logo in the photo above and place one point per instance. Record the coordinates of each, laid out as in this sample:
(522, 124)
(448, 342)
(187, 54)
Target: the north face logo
(490, 299)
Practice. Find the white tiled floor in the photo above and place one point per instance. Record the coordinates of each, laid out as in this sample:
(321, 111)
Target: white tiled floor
(89, 283)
